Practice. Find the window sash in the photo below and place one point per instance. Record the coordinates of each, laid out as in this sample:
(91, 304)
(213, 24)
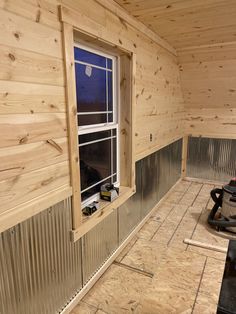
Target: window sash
(117, 173)
(87, 129)
(114, 85)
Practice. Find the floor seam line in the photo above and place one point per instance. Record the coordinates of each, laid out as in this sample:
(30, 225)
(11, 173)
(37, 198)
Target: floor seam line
(203, 209)
(162, 222)
(129, 249)
(197, 195)
(177, 227)
(135, 269)
(199, 286)
(184, 194)
(198, 217)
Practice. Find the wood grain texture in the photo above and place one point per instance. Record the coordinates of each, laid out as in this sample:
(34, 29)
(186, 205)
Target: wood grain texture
(159, 102)
(126, 285)
(26, 187)
(42, 12)
(33, 95)
(20, 213)
(68, 41)
(20, 159)
(186, 23)
(19, 32)
(24, 66)
(19, 97)
(20, 129)
(208, 76)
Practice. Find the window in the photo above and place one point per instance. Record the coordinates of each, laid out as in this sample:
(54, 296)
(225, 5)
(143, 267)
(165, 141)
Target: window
(97, 117)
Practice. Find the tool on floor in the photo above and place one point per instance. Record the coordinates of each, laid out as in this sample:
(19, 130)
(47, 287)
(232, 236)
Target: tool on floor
(206, 246)
(225, 201)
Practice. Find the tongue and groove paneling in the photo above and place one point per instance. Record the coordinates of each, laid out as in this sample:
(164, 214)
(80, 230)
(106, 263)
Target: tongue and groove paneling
(33, 127)
(208, 76)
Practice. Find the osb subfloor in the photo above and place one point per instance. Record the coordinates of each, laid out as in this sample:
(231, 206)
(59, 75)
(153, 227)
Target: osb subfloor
(157, 272)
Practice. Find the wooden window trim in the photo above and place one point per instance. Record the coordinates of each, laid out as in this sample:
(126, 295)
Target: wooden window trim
(70, 24)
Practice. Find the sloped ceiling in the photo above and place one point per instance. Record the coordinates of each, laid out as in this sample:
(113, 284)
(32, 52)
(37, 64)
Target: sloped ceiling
(187, 23)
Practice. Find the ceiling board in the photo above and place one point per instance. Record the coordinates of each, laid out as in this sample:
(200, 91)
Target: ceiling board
(186, 23)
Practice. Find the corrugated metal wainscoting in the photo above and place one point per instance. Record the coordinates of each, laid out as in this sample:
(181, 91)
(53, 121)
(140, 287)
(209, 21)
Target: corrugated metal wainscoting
(212, 159)
(41, 270)
(155, 175)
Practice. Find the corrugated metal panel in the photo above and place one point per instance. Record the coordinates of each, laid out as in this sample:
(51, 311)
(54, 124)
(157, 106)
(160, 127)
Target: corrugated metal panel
(40, 268)
(130, 212)
(98, 244)
(212, 159)
(150, 169)
(170, 167)
(155, 175)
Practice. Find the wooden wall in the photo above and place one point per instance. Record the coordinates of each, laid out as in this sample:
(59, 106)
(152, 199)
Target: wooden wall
(208, 75)
(33, 143)
(33, 128)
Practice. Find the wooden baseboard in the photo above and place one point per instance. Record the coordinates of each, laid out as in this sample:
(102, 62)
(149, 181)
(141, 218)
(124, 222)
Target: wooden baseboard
(105, 266)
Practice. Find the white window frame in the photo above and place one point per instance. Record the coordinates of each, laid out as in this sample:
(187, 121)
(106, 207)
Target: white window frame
(116, 114)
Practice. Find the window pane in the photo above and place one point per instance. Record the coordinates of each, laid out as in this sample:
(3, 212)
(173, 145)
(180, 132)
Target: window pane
(92, 119)
(94, 136)
(110, 91)
(94, 190)
(95, 162)
(114, 150)
(90, 88)
(114, 179)
(110, 117)
(89, 57)
(109, 64)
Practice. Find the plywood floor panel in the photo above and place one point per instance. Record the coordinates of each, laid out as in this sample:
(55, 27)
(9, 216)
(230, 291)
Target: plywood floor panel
(156, 272)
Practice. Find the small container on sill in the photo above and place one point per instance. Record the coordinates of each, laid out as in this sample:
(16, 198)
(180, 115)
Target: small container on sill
(109, 192)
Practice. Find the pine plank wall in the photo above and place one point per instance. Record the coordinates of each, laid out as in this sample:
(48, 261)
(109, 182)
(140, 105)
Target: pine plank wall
(33, 127)
(208, 77)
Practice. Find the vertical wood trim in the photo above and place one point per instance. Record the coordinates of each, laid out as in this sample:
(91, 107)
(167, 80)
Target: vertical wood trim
(184, 156)
(68, 43)
(133, 114)
(127, 116)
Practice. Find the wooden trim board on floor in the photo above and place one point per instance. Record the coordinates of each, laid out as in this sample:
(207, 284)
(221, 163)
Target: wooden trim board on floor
(105, 266)
(205, 181)
(205, 246)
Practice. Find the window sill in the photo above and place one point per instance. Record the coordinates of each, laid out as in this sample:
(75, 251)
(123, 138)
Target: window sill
(105, 209)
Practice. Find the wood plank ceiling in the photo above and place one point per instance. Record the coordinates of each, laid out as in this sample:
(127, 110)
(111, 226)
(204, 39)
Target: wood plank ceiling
(187, 23)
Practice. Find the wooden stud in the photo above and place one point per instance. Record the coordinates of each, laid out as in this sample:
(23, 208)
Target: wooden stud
(184, 156)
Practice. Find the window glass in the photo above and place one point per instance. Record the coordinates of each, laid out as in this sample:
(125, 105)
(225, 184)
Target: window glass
(109, 64)
(91, 89)
(95, 109)
(89, 57)
(94, 190)
(98, 158)
(92, 119)
(94, 92)
(96, 136)
(110, 91)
